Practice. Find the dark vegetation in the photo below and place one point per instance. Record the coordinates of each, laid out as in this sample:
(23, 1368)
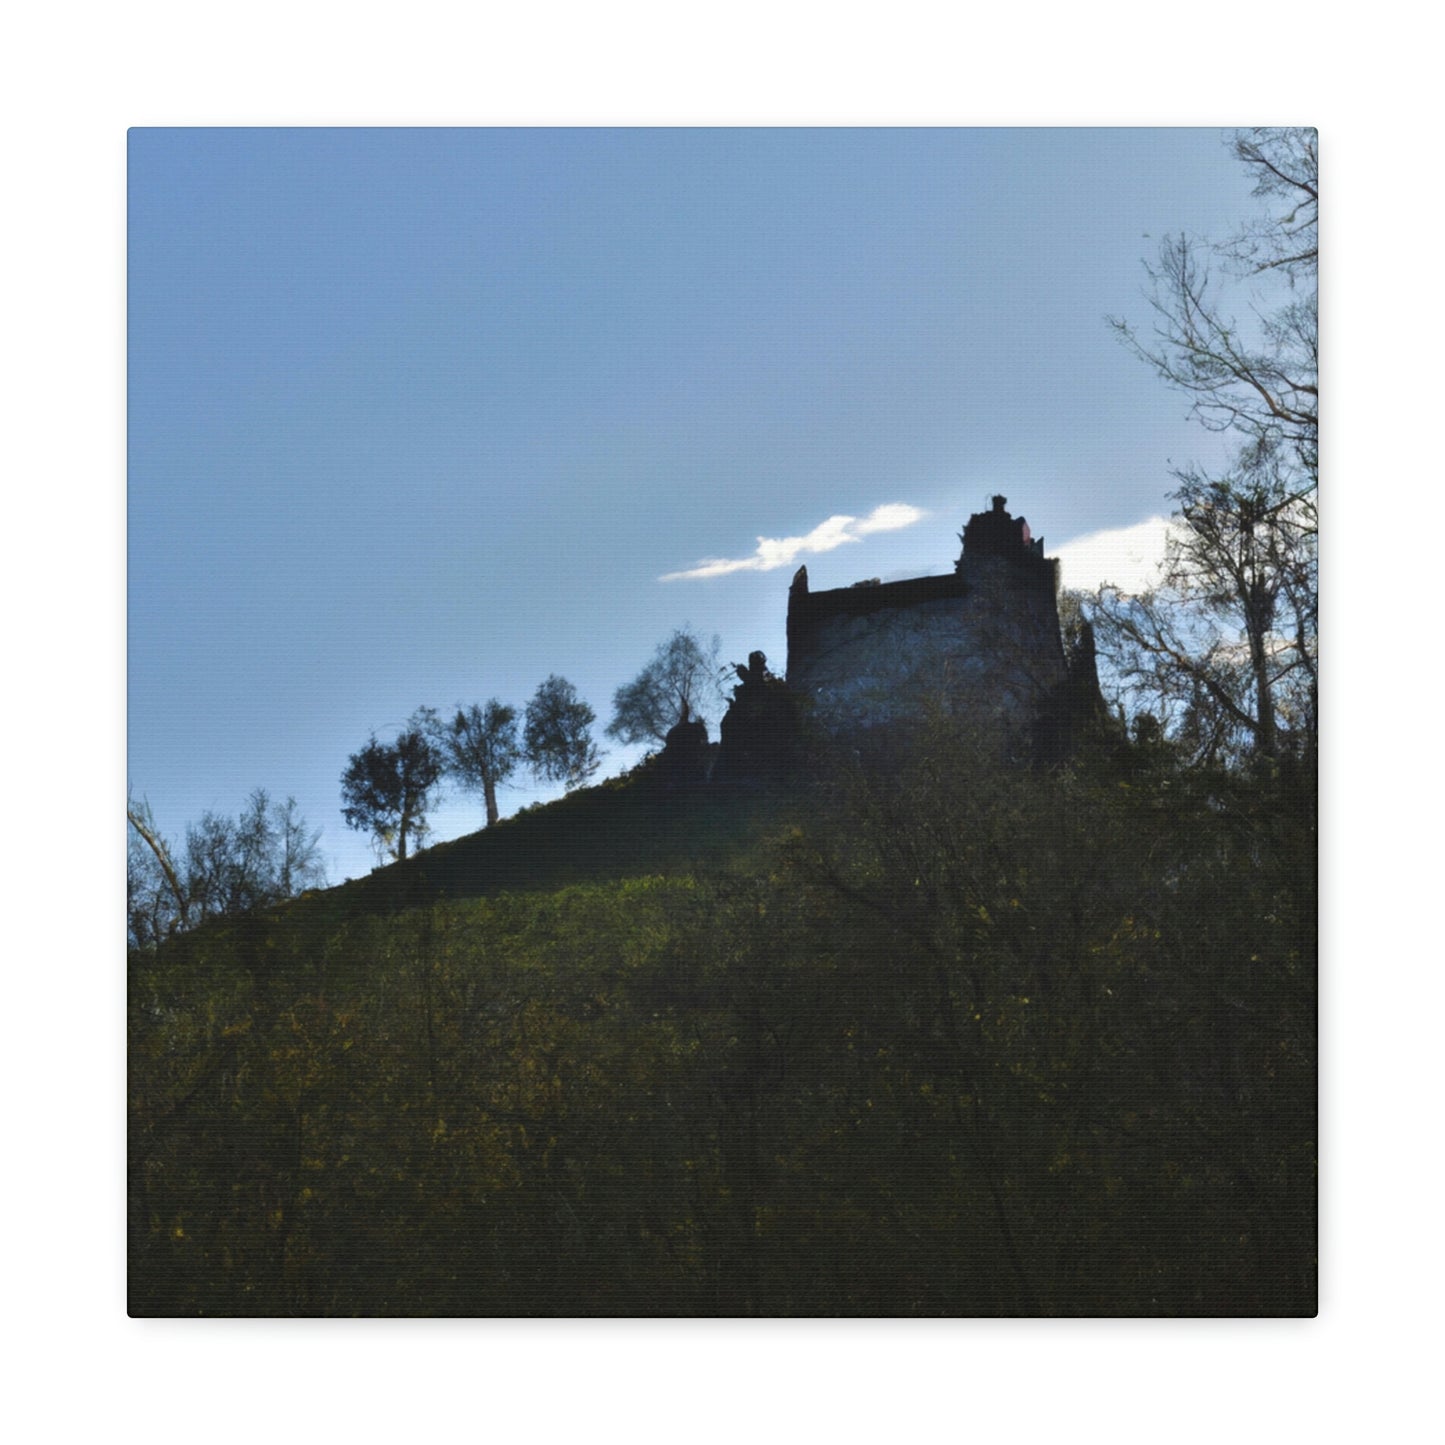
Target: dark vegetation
(387, 787)
(942, 1039)
(681, 679)
(228, 866)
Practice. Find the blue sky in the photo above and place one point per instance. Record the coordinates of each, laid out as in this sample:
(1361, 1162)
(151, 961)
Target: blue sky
(423, 416)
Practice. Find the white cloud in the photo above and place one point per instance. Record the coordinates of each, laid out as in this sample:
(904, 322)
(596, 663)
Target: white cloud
(1128, 557)
(890, 517)
(775, 552)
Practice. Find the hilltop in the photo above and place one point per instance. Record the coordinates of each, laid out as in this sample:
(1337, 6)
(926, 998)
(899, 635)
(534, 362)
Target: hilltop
(619, 829)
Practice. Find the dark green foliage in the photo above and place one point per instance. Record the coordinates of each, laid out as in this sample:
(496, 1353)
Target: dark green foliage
(480, 749)
(557, 734)
(960, 1041)
(387, 787)
(621, 828)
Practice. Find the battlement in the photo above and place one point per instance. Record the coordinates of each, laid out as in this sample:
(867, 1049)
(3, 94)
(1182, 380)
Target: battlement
(996, 534)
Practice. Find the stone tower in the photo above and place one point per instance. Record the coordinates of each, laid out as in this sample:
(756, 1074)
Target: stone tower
(982, 642)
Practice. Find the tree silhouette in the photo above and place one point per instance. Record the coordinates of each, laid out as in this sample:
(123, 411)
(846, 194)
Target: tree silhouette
(1224, 650)
(386, 790)
(557, 735)
(681, 679)
(481, 749)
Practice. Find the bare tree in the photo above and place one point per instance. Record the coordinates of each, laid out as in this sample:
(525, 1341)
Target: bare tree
(1286, 167)
(298, 863)
(1224, 650)
(157, 899)
(1256, 377)
(229, 866)
(683, 677)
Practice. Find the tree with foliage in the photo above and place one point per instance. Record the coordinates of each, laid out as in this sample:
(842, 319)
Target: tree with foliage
(557, 735)
(682, 679)
(229, 866)
(387, 788)
(1224, 650)
(480, 749)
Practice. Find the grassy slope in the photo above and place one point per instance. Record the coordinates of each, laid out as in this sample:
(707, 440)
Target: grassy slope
(613, 831)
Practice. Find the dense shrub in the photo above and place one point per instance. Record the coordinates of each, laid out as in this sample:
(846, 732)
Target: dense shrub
(965, 1041)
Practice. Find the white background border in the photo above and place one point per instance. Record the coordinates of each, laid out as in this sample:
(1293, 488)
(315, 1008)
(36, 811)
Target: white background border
(76, 78)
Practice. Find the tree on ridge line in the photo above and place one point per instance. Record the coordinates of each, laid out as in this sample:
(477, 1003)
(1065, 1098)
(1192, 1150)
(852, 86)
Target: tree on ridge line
(557, 735)
(681, 679)
(480, 748)
(387, 788)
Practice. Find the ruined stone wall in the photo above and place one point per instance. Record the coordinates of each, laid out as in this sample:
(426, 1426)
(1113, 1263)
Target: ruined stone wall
(983, 643)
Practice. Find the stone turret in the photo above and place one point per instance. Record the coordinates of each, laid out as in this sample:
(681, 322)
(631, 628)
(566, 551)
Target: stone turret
(759, 732)
(684, 758)
(996, 534)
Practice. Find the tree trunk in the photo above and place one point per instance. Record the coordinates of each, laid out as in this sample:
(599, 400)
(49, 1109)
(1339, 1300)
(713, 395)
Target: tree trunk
(163, 857)
(1258, 607)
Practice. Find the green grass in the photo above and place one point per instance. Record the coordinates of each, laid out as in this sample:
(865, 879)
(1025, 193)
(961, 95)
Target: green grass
(617, 830)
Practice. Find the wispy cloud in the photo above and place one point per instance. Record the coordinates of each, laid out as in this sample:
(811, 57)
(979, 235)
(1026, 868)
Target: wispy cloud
(1128, 557)
(780, 551)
